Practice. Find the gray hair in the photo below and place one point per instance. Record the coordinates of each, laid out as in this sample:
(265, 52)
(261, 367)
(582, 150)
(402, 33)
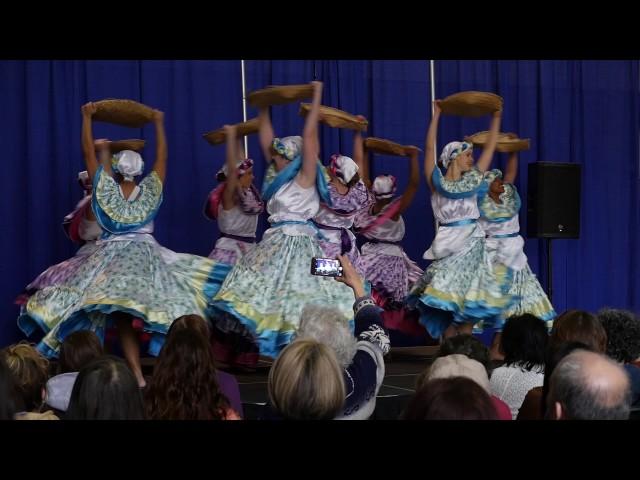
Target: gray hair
(329, 326)
(590, 386)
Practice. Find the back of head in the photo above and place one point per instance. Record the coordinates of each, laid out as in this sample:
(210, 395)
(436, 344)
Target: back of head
(579, 326)
(327, 325)
(589, 386)
(77, 350)
(190, 322)
(555, 353)
(105, 389)
(306, 382)
(184, 384)
(30, 373)
(467, 345)
(8, 407)
(623, 334)
(454, 398)
(524, 341)
(457, 365)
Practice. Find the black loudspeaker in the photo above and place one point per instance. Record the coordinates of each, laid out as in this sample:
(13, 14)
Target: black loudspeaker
(553, 200)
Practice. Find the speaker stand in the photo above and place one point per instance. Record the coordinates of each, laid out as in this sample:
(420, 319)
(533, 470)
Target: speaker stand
(549, 272)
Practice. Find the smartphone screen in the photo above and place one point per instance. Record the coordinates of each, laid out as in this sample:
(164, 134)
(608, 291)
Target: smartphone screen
(326, 267)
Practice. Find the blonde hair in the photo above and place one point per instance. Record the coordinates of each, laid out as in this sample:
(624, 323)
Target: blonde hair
(30, 371)
(306, 382)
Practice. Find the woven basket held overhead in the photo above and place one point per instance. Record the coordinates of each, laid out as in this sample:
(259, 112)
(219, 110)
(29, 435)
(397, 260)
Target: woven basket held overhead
(216, 137)
(280, 94)
(507, 142)
(471, 104)
(336, 118)
(123, 112)
(386, 147)
(134, 144)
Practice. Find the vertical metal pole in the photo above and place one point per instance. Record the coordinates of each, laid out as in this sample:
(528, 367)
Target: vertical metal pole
(244, 106)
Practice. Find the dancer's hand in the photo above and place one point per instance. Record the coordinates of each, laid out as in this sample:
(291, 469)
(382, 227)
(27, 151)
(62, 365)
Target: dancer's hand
(230, 131)
(411, 150)
(350, 276)
(88, 109)
(102, 144)
(158, 116)
(437, 109)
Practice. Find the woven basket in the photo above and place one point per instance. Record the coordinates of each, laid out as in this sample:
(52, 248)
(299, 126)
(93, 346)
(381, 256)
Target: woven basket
(216, 137)
(123, 112)
(386, 147)
(134, 144)
(279, 94)
(336, 118)
(513, 145)
(471, 104)
(507, 142)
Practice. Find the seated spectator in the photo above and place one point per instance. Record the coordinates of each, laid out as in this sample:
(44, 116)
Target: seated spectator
(452, 398)
(474, 349)
(458, 365)
(623, 344)
(184, 383)
(579, 326)
(588, 386)
(77, 350)
(534, 404)
(573, 326)
(105, 389)
(7, 392)
(30, 371)
(226, 382)
(306, 382)
(360, 358)
(523, 343)
(468, 345)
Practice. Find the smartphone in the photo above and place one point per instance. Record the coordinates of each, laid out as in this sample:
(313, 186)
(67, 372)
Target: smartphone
(326, 267)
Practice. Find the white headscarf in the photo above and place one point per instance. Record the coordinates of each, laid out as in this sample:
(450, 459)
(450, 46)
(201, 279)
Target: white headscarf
(452, 150)
(128, 163)
(384, 186)
(343, 167)
(288, 147)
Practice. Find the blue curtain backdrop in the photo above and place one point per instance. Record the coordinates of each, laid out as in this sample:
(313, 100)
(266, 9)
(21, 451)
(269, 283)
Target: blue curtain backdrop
(574, 111)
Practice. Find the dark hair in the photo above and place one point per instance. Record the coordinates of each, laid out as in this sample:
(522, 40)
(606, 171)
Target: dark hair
(184, 384)
(454, 398)
(190, 322)
(582, 399)
(579, 326)
(30, 372)
(77, 350)
(8, 407)
(623, 334)
(524, 341)
(467, 345)
(555, 353)
(354, 180)
(105, 390)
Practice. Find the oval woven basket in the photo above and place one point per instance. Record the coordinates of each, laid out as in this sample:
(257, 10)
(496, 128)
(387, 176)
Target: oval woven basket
(386, 147)
(507, 142)
(127, 113)
(134, 144)
(336, 118)
(471, 104)
(279, 94)
(216, 137)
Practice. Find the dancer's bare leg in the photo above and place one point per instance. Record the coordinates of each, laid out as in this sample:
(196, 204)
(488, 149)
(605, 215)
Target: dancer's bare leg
(130, 346)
